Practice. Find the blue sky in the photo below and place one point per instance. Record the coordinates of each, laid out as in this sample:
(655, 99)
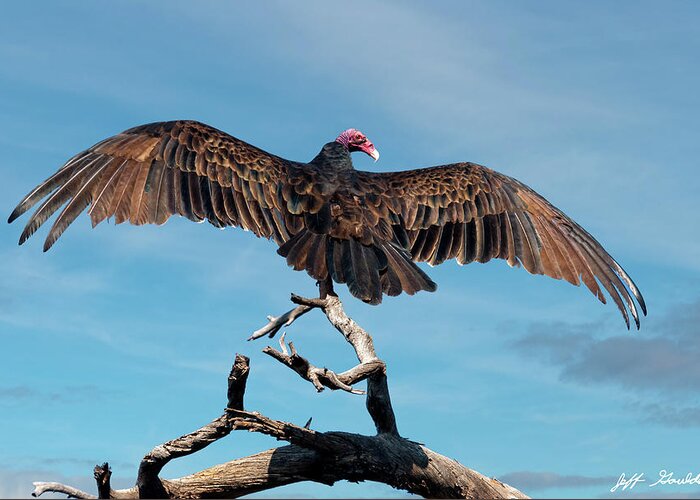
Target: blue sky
(121, 337)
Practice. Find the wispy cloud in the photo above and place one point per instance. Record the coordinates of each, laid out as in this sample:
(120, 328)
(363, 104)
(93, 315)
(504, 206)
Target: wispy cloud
(665, 361)
(25, 273)
(48, 462)
(68, 394)
(538, 481)
(81, 462)
(654, 494)
(31, 60)
(453, 88)
(661, 367)
(17, 393)
(668, 415)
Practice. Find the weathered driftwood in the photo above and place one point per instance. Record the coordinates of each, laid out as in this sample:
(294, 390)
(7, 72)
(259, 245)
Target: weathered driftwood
(324, 457)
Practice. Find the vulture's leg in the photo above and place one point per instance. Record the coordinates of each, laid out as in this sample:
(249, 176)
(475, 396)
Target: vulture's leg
(325, 288)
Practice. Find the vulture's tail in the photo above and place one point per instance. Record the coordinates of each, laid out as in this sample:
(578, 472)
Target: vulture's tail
(369, 271)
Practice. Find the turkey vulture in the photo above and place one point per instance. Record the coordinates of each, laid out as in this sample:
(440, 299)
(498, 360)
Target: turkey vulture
(365, 229)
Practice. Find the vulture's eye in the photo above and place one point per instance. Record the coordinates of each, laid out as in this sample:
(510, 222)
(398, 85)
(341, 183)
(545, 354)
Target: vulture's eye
(361, 140)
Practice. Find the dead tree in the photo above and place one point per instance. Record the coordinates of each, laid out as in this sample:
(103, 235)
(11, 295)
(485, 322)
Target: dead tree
(324, 457)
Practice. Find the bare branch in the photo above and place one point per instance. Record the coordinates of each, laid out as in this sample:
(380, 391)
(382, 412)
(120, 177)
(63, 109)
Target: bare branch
(41, 487)
(378, 398)
(311, 302)
(324, 457)
(148, 482)
(323, 377)
(385, 458)
(276, 323)
(237, 379)
(103, 475)
(282, 431)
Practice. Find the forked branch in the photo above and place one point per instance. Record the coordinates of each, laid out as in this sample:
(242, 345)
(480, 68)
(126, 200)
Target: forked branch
(321, 377)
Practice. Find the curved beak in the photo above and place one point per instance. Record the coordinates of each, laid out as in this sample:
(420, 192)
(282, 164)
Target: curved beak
(374, 154)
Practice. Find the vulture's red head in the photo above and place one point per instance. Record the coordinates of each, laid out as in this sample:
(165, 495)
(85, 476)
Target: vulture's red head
(355, 140)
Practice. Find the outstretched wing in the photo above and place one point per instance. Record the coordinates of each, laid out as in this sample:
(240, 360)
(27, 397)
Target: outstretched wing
(471, 213)
(148, 173)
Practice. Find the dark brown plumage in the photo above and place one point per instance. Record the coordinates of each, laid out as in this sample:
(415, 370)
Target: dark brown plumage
(365, 229)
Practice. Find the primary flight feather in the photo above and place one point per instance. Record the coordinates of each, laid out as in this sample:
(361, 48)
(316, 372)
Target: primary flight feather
(364, 229)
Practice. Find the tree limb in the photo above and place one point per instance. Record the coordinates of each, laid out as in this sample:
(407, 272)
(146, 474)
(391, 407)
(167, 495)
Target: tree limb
(323, 377)
(324, 457)
(276, 323)
(378, 398)
(41, 487)
(148, 482)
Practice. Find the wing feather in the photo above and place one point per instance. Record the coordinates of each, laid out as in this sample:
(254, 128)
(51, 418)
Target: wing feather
(46, 187)
(61, 195)
(471, 213)
(105, 192)
(125, 191)
(138, 195)
(158, 206)
(148, 173)
(77, 204)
